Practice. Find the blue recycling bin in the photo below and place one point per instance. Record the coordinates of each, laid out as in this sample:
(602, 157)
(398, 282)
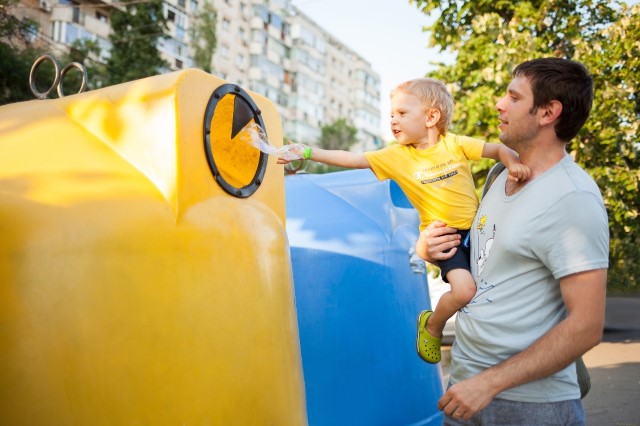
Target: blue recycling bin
(359, 288)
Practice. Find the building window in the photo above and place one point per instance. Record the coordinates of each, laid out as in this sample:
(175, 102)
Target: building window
(275, 21)
(31, 32)
(180, 33)
(76, 12)
(178, 64)
(101, 17)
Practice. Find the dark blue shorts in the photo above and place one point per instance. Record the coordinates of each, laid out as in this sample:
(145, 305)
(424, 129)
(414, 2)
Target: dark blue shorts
(460, 260)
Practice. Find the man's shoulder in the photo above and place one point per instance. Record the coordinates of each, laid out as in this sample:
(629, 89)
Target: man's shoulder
(579, 178)
(492, 176)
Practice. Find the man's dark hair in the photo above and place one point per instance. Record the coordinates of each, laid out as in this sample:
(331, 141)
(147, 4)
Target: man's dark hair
(563, 80)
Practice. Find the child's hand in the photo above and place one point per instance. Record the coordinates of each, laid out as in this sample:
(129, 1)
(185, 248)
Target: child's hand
(290, 152)
(519, 172)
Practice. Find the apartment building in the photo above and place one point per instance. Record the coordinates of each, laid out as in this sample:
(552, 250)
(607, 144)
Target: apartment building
(61, 22)
(175, 47)
(273, 49)
(266, 46)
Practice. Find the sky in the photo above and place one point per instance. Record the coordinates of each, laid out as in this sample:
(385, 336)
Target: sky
(386, 33)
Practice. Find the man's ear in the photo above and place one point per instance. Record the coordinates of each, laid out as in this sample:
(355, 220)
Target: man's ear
(550, 112)
(432, 117)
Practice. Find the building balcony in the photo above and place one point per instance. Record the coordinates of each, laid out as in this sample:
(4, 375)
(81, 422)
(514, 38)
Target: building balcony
(255, 73)
(255, 49)
(274, 57)
(256, 23)
(85, 19)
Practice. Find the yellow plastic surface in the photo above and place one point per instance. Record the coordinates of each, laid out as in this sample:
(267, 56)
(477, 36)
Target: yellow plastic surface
(133, 289)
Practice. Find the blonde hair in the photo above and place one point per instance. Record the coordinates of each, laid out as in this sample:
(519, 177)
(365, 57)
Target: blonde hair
(432, 93)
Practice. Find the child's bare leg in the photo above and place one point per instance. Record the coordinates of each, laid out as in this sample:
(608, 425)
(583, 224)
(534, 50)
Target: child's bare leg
(463, 288)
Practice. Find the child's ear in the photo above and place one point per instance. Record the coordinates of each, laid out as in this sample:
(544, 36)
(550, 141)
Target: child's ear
(432, 117)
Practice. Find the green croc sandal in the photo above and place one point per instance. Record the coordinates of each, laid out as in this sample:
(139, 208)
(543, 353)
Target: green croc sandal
(428, 347)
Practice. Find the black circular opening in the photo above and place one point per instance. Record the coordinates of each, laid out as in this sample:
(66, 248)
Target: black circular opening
(245, 110)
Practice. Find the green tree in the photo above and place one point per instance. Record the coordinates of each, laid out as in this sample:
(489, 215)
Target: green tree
(609, 144)
(203, 36)
(135, 34)
(10, 26)
(490, 38)
(337, 135)
(16, 55)
(86, 52)
(15, 66)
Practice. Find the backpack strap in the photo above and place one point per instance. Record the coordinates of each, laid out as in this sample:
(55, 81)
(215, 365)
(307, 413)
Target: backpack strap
(492, 175)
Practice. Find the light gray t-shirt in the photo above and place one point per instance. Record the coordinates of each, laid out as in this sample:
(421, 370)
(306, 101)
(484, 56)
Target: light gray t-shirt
(521, 246)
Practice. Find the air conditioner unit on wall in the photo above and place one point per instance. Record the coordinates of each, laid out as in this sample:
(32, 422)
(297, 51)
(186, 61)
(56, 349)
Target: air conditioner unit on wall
(44, 5)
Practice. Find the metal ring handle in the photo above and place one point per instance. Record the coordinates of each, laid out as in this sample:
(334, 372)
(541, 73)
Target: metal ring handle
(65, 70)
(32, 78)
(297, 166)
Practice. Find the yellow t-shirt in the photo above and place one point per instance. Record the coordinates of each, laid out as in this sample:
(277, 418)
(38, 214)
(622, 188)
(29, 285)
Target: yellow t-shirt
(437, 181)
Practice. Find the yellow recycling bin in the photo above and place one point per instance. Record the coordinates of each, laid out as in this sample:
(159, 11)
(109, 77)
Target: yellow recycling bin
(145, 276)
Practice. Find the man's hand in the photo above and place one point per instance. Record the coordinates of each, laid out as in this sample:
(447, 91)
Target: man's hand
(464, 399)
(435, 239)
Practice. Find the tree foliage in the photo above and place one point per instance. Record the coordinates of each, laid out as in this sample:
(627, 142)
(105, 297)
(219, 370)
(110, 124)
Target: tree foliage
(337, 135)
(86, 52)
(203, 36)
(16, 55)
(609, 145)
(15, 66)
(135, 34)
(489, 38)
(10, 26)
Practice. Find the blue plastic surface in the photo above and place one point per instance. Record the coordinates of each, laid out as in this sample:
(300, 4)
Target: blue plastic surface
(357, 299)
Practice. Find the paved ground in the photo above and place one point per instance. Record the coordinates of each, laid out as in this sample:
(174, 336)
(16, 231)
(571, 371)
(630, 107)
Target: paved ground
(614, 366)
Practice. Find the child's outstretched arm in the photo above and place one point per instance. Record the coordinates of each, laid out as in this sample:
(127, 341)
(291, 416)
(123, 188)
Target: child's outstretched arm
(518, 172)
(332, 157)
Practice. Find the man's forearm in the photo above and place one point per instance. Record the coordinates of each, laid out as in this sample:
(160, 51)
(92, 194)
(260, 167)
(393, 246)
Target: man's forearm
(584, 296)
(551, 353)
